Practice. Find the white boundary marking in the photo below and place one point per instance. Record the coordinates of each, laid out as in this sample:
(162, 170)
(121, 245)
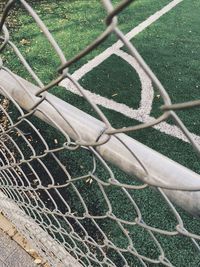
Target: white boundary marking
(141, 114)
(78, 74)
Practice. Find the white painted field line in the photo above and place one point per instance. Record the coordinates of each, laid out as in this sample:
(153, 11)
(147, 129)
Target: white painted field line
(147, 92)
(115, 49)
(141, 115)
(138, 115)
(78, 74)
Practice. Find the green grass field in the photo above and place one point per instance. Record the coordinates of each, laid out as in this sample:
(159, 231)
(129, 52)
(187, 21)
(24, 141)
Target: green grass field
(172, 55)
(171, 47)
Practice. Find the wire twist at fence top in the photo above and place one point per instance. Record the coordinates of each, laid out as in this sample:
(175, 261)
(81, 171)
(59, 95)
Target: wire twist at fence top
(67, 186)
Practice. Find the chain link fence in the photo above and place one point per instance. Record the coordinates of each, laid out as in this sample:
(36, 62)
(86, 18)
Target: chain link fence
(82, 191)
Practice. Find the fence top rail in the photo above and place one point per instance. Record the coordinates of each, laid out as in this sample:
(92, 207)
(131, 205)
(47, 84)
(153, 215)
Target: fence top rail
(120, 150)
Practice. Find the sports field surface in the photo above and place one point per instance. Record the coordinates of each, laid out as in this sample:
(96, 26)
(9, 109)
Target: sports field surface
(167, 34)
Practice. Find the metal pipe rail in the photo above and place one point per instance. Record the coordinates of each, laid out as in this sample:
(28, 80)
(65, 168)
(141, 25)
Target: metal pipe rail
(180, 184)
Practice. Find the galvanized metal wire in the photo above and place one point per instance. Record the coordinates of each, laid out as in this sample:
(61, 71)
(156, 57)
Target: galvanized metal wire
(48, 187)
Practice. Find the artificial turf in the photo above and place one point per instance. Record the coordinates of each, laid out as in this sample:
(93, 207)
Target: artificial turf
(171, 47)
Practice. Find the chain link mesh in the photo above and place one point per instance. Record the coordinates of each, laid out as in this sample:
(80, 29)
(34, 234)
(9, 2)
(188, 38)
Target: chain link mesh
(60, 192)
